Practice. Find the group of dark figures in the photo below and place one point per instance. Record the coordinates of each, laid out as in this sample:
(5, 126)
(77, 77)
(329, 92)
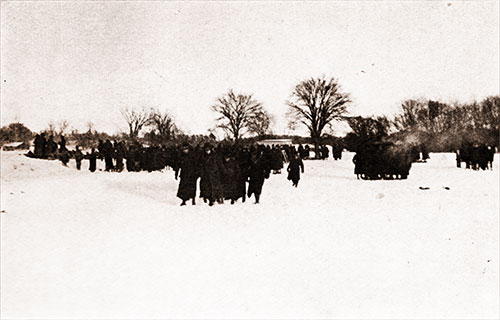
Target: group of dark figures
(321, 152)
(475, 156)
(223, 170)
(383, 161)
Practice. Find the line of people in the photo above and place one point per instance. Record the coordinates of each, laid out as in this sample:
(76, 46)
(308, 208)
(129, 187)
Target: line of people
(224, 171)
(382, 161)
(476, 156)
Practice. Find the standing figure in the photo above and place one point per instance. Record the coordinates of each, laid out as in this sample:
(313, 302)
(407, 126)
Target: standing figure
(211, 188)
(491, 156)
(119, 155)
(39, 145)
(92, 160)
(62, 144)
(51, 148)
(232, 179)
(78, 155)
(107, 150)
(307, 152)
(294, 168)
(258, 172)
(188, 166)
(458, 158)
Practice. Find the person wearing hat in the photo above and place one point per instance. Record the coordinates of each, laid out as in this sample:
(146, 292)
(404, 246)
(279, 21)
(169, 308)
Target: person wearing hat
(188, 167)
(211, 188)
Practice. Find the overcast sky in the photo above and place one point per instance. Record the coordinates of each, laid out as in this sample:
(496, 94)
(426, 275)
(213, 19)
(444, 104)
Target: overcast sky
(84, 61)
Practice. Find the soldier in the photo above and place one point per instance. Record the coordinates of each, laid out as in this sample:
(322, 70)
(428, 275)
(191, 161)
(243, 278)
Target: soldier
(232, 178)
(301, 151)
(491, 156)
(276, 160)
(358, 161)
(107, 151)
(475, 157)
(118, 154)
(64, 156)
(51, 148)
(425, 153)
(189, 173)
(211, 188)
(39, 145)
(78, 155)
(337, 152)
(62, 144)
(294, 168)
(258, 172)
(92, 156)
(458, 158)
(307, 152)
(326, 152)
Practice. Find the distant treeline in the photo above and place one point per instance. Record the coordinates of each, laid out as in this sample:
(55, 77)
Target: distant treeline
(440, 126)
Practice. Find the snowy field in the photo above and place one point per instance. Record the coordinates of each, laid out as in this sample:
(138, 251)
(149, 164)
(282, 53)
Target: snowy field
(119, 246)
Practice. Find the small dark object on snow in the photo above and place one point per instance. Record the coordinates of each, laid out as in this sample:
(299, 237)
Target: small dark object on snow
(446, 188)
(424, 188)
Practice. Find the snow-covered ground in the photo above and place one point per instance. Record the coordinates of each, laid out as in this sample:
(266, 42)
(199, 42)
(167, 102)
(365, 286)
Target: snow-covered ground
(118, 245)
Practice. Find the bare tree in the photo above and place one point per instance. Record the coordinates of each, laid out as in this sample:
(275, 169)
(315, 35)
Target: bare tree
(52, 128)
(261, 123)
(316, 103)
(90, 127)
(237, 113)
(163, 125)
(63, 125)
(136, 120)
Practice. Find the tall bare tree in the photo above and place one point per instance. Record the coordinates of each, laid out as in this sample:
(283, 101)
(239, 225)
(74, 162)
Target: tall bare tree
(317, 102)
(136, 120)
(261, 123)
(63, 125)
(162, 125)
(238, 113)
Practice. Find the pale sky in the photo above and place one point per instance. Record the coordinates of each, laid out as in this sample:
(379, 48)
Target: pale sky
(84, 61)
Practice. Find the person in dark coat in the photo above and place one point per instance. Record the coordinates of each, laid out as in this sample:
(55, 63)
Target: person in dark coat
(301, 151)
(276, 160)
(231, 177)
(119, 155)
(78, 155)
(51, 148)
(458, 158)
(491, 156)
(107, 151)
(475, 157)
(258, 173)
(92, 156)
(39, 145)
(337, 151)
(307, 152)
(189, 172)
(64, 156)
(244, 160)
(294, 168)
(211, 188)
(62, 144)
(358, 160)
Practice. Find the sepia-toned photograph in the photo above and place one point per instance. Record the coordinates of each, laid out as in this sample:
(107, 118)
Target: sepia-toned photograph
(250, 159)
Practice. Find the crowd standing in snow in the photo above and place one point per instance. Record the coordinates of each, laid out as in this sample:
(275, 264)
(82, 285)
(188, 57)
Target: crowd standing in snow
(225, 171)
(382, 161)
(476, 156)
